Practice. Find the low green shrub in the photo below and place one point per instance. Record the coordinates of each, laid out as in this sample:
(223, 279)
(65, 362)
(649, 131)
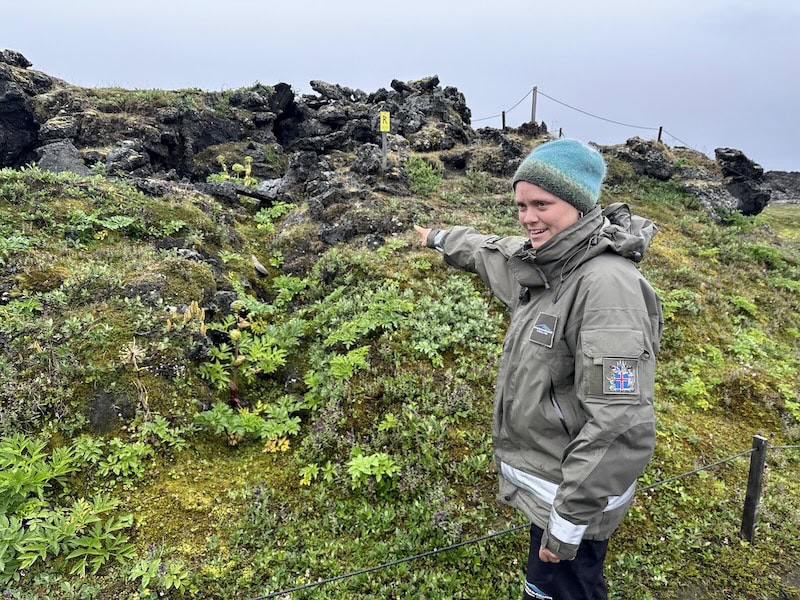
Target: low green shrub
(423, 177)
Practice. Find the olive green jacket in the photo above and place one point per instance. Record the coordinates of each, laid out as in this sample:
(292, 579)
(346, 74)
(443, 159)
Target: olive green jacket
(574, 423)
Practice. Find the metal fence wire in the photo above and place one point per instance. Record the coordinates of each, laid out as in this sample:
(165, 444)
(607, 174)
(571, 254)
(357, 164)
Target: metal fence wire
(539, 92)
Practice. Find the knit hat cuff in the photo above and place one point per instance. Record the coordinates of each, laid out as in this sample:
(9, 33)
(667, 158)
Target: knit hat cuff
(557, 183)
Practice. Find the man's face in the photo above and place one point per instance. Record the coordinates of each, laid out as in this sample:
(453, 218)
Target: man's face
(542, 214)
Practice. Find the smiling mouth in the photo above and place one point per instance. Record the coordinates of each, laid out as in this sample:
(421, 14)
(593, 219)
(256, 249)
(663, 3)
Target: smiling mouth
(536, 231)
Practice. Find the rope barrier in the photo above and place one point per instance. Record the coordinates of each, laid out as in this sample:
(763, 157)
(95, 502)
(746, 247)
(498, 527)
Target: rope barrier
(703, 468)
(678, 140)
(486, 118)
(520, 100)
(393, 563)
(488, 536)
(783, 447)
(644, 127)
(597, 116)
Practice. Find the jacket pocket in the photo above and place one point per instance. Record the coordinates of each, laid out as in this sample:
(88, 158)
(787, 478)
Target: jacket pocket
(612, 361)
(561, 366)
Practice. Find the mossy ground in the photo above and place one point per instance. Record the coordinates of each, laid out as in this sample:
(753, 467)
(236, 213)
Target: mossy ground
(242, 519)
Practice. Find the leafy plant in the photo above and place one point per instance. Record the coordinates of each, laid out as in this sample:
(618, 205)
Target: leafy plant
(344, 366)
(125, 460)
(744, 304)
(478, 182)
(384, 309)
(379, 466)
(266, 217)
(158, 575)
(33, 527)
(158, 432)
(388, 422)
(308, 474)
(239, 173)
(424, 178)
(248, 356)
(27, 470)
(12, 244)
(457, 317)
(237, 426)
(680, 302)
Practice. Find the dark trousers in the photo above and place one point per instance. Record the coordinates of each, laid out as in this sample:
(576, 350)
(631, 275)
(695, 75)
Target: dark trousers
(578, 579)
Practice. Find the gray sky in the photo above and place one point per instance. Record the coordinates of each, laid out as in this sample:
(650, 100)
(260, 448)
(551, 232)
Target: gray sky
(712, 72)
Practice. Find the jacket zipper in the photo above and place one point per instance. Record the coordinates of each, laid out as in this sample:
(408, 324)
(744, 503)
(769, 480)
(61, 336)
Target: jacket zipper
(557, 408)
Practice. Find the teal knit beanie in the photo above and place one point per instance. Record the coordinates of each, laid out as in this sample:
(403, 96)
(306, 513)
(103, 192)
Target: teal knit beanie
(566, 168)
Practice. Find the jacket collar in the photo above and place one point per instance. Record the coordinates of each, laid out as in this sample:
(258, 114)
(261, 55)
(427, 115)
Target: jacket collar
(612, 229)
(543, 266)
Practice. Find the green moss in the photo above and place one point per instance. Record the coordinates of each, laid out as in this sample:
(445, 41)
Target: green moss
(199, 492)
(115, 99)
(618, 171)
(187, 281)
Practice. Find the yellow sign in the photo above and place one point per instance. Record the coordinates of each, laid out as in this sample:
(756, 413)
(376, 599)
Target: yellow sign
(384, 121)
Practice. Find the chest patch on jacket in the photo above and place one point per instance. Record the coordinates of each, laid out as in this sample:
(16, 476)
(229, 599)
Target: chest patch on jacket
(544, 329)
(620, 376)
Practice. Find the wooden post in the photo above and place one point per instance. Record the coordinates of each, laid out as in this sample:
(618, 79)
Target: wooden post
(560, 132)
(758, 460)
(533, 104)
(504, 120)
(659, 133)
(385, 127)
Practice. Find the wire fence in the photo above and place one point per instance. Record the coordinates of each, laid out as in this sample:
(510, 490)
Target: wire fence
(515, 528)
(537, 92)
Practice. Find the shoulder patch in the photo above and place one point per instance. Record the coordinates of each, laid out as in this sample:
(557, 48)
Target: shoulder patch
(621, 376)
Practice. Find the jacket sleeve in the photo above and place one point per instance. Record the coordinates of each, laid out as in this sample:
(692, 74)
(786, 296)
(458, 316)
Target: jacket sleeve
(619, 325)
(486, 255)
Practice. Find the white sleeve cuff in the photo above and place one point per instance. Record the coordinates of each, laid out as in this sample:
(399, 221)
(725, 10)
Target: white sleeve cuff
(565, 531)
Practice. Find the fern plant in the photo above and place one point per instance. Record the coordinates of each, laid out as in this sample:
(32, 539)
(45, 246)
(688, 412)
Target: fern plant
(27, 470)
(33, 527)
(237, 426)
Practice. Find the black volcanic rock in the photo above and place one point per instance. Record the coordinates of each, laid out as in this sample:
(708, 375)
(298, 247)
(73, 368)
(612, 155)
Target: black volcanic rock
(19, 129)
(744, 180)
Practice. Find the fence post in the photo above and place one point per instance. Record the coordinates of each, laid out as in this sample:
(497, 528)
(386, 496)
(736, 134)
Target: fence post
(504, 120)
(754, 480)
(533, 104)
(659, 133)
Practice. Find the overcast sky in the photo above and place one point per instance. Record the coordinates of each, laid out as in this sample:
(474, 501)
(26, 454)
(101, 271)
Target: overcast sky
(713, 73)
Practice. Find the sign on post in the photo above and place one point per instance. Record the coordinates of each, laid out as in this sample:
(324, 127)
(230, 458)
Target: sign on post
(385, 126)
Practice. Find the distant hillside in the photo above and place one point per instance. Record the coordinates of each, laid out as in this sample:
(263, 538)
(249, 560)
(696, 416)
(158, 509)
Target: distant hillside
(225, 378)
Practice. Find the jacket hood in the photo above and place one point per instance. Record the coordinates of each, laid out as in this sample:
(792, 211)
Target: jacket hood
(612, 229)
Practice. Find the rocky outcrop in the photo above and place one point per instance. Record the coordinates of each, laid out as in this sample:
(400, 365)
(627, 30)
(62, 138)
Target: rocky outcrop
(324, 148)
(744, 180)
(645, 157)
(61, 156)
(184, 132)
(18, 127)
(785, 186)
(731, 183)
